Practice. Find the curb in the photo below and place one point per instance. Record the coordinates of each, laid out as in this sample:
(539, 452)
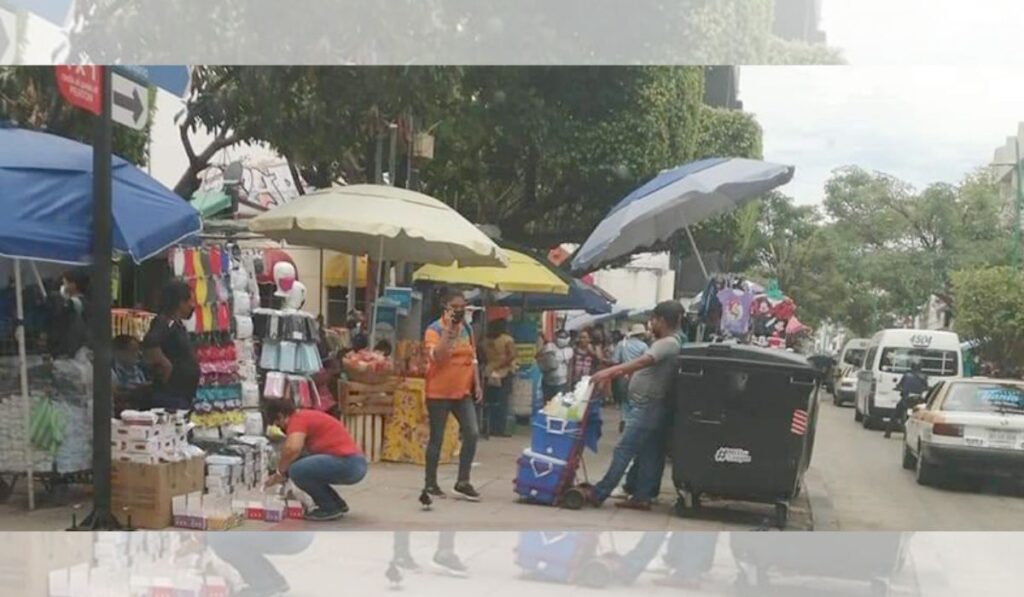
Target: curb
(823, 513)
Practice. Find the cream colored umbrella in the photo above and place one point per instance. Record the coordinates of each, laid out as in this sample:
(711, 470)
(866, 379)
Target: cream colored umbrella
(381, 221)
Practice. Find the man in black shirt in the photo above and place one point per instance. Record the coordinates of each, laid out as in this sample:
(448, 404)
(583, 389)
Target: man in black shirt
(169, 352)
(913, 383)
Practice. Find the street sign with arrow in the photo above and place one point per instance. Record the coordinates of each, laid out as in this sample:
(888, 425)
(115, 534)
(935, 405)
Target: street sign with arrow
(129, 102)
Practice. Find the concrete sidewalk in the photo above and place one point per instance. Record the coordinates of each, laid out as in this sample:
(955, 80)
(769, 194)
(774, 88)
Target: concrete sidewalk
(388, 499)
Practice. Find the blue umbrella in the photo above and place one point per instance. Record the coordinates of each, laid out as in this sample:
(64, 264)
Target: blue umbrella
(581, 297)
(675, 200)
(46, 200)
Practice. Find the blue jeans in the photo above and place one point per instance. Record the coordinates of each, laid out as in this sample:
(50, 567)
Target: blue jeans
(639, 442)
(315, 474)
(635, 562)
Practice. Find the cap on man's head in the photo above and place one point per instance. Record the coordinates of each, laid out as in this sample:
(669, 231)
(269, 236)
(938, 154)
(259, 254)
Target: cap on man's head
(638, 329)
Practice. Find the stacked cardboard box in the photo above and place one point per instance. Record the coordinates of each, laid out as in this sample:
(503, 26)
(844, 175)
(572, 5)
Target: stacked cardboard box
(151, 437)
(144, 492)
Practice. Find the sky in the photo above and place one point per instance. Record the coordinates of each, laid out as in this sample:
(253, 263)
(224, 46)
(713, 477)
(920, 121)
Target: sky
(884, 111)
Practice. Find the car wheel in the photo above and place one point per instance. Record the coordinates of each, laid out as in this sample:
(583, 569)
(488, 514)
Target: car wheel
(909, 460)
(926, 473)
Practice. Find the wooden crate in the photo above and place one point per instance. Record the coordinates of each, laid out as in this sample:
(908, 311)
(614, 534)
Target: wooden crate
(362, 399)
(368, 433)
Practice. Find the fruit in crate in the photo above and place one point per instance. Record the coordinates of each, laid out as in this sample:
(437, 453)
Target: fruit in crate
(367, 362)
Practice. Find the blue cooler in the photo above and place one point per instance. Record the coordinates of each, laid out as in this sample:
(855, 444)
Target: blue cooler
(538, 477)
(553, 437)
(554, 556)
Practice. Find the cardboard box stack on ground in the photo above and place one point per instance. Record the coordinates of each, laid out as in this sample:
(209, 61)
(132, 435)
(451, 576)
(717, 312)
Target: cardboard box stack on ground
(151, 437)
(145, 492)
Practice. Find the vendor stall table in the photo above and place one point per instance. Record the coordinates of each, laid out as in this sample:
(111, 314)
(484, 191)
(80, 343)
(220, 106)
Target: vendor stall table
(407, 431)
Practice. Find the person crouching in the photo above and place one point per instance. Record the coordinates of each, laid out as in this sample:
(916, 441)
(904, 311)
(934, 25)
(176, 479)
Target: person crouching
(318, 452)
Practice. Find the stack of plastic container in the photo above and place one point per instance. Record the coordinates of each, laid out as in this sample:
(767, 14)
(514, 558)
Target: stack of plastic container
(559, 432)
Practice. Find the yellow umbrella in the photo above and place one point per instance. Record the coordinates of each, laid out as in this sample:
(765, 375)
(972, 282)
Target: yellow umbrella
(523, 274)
(336, 271)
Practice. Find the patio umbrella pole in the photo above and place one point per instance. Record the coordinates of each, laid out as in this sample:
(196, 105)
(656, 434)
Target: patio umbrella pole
(350, 297)
(376, 298)
(700, 260)
(23, 374)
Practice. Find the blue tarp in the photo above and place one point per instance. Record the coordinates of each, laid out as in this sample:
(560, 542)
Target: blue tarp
(46, 199)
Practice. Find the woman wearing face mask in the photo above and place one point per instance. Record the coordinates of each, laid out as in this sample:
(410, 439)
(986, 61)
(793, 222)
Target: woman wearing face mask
(453, 387)
(69, 332)
(554, 359)
(169, 353)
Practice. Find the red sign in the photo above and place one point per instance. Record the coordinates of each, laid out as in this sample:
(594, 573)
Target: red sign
(80, 86)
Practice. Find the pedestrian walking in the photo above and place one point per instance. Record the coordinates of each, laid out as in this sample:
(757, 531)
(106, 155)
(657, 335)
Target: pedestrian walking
(453, 388)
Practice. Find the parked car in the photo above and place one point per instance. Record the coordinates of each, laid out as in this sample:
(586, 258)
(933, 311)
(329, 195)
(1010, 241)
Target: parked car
(890, 355)
(851, 357)
(846, 389)
(973, 425)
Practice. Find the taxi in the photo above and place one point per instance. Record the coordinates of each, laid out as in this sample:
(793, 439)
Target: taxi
(969, 426)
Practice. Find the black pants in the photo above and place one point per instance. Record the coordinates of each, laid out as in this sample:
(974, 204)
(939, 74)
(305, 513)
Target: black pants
(464, 411)
(403, 550)
(898, 417)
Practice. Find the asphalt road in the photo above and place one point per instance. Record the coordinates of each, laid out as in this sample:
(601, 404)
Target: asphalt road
(869, 490)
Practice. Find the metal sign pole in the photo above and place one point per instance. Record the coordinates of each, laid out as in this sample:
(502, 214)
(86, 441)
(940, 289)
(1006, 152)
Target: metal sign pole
(101, 517)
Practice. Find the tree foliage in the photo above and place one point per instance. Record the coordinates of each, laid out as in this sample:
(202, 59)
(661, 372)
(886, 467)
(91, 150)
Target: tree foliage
(438, 32)
(29, 98)
(990, 308)
(878, 248)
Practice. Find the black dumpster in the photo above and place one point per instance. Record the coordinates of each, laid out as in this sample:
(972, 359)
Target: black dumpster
(744, 425)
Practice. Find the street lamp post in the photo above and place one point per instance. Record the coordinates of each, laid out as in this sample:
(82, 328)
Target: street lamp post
(1012, 151)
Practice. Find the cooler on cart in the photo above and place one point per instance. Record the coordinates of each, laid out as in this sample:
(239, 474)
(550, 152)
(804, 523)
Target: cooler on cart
(555, 556)
(548, 470)
(744, 425)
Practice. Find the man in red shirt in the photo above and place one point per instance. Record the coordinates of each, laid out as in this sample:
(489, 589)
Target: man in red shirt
(318, 452)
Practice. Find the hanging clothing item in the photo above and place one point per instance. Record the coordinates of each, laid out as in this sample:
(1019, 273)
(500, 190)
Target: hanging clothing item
(735, 311)
(784, 310)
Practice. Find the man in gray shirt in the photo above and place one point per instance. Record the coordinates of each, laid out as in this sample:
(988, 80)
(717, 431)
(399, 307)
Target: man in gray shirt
(649, 385)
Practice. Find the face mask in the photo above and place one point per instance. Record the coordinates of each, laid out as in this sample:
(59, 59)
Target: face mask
(459, 315)
(562, 342)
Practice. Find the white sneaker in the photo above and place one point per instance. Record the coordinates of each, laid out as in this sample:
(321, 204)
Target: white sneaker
(619, 494)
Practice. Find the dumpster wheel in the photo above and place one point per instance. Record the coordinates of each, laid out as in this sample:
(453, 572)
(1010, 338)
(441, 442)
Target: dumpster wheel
(687, 504)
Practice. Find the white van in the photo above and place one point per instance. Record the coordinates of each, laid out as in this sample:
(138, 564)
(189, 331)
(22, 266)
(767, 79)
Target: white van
(850, 360)
(889, 356)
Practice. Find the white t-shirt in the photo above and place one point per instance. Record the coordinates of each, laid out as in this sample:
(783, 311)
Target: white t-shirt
(559, 375)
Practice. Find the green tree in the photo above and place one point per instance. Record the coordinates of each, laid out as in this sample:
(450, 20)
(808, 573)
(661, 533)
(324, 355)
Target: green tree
(904, 244)
(989, 305)
(441, 32)
(545, 152)
(324, 120)
(29, 98)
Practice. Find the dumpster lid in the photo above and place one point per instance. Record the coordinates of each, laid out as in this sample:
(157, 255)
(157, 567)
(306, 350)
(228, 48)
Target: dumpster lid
(746, 353)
